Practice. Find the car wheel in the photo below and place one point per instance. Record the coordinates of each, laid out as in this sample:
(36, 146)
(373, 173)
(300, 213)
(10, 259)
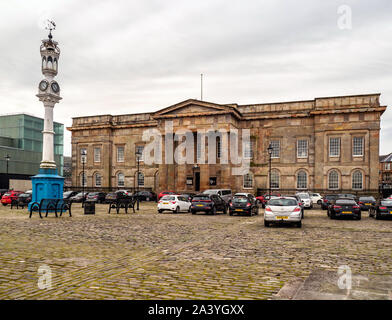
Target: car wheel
(224, 210)
(359, 217)
(257, 211)
(266, 223)
(311, 207)
(189, 210)
(177, 210)
(160, 211)
(303, 216)
(4, 204)
(231, 213)
(318, 202)
(378, 216)
(299, 224)
(213, 211)
(193, 212)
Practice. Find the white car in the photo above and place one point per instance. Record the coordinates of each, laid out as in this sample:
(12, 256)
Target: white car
(174, 203)
(307, 201)
(316, 198)
(283, 209)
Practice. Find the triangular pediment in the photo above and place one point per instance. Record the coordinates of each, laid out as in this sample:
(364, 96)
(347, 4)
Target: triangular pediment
(194, 107)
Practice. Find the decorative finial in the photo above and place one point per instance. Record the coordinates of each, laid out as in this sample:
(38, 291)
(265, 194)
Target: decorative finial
(50, 25)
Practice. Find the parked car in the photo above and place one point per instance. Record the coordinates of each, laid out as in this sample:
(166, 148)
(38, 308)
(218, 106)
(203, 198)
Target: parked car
(69, 194)
(366, 202)
(307, 201)
(283, 210)
(264, 199)
(208, 203)
(189, 195)
(344, 207)
(164, 193)
(173, 203)
(347, 196)
(327, 200)
(243, 203)
(300, 203)
(381, 209)
(316, 198)
(98, 197)
(225, 194)
(79, 197)
(146, 196)
(114, 196)
(29, 191)
(9, 196)
(24, 199)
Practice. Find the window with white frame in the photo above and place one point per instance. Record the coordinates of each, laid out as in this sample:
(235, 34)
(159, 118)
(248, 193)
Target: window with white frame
(275, 144)
(98, 180)
(248, 181)
(387, 166)
(198, 150)
(333, 180)
(120, 180)
(357, 180)
(140, 179)
(302, 148)
(275, 179)
(97, 154)
(302, 180)
(83, 179)
(334, 147)
(140, 150)
(358, 146)
(120, 154)
(248, 149)
(83, 155)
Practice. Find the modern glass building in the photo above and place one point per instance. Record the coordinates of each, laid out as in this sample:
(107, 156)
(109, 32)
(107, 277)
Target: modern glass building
(21, 139)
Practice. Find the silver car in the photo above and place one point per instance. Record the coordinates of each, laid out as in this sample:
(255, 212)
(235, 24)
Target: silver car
(283, 210)
(306, 199)
(225, 194)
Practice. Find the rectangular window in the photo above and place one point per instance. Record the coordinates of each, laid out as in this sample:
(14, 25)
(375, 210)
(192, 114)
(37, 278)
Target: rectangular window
(248, 181)
(275, 144)
(275, 180)
(302, 148)
(218, 148)
(140, 179)
(83, 155)
(98, 180)
(198, 151)
(120, 154)
(358, 146)
(334, 147)
(140, 150)
(248, 150)
(97, 154)
(387, 166)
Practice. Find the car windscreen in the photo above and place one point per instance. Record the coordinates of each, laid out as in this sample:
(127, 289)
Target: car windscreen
(93, 194)
(282, 202)
(240, 199)
(7, 194)
(346, 202)
(211, 192)
(25, 195)
(387, 203)
(303, 195)
(168, 198)
(330, 196)
(367, 199)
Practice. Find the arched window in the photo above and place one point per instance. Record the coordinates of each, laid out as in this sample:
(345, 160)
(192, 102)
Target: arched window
(140, 179)
(275, 179)
(248, 180)
(302, 180)
(43, 62)
(55, 64)
(83, 179)
(98, 180)
(120, 180)
(333, 180)
(50, 63)
(357, 180)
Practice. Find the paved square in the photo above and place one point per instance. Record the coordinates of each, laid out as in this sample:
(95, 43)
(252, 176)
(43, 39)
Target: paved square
(165, 256)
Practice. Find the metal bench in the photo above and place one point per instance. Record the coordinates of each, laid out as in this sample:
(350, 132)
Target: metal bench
(53, 205)
(122, 203)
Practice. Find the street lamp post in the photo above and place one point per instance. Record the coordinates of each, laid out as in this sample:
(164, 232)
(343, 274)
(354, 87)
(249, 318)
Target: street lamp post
(83, 154)
(138, 155)
(269, 170)
(7, 160)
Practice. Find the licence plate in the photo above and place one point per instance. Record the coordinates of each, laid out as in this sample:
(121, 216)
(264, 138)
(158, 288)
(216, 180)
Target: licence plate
(368, 204)
(239, 209)
(282, 217)
(346, 212)
(200, 205)
(390, 212)
(165, 202)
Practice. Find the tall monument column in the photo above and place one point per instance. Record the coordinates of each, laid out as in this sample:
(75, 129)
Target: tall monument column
(48, 184)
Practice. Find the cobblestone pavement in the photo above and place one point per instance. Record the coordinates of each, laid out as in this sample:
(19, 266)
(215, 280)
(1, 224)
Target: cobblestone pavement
(166, 256)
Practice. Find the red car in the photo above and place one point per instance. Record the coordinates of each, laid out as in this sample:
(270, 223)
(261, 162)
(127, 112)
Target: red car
(9, 196)
(164, 193)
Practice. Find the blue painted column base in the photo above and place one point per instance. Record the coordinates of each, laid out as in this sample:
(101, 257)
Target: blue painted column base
(47, 184)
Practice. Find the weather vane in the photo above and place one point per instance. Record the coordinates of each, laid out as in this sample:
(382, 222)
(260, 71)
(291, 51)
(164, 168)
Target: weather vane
(50, 25)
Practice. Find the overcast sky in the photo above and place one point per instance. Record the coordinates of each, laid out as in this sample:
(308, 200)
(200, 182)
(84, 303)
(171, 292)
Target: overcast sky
(139, 56)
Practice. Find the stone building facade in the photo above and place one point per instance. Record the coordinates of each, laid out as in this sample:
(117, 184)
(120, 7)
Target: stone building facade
(327, 143)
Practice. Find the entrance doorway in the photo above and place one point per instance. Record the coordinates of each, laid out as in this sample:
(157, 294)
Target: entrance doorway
(197, 181)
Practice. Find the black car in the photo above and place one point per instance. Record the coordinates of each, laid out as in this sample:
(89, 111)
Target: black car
(344, 208)
(327, 200)
(366, 202)
(118, 195)
(243, 204)
(382, 209)
(98, 197)
(146, 196)
(79, 197)
(24, 199)
(69, 194)
(208, 203)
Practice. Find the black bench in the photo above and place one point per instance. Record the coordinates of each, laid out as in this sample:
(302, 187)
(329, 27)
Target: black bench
(123, 203)
(55, 205)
